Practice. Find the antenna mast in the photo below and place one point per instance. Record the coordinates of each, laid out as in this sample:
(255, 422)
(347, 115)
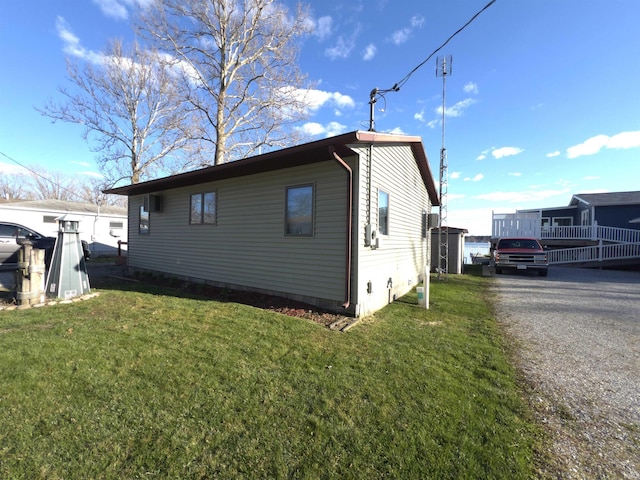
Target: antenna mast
(443, 68)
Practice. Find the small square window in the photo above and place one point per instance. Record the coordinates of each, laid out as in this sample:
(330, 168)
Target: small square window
(203, 208)
(143, 228)
(299, 211)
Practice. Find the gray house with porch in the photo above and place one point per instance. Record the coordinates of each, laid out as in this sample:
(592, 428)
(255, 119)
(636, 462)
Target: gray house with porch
(595, 229)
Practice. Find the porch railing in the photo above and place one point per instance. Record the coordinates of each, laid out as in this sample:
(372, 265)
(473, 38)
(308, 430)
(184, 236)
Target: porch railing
(528, 225)
(597, 253)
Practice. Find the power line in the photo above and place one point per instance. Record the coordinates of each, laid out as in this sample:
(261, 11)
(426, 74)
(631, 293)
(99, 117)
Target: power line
(37, 174)
(396, 87)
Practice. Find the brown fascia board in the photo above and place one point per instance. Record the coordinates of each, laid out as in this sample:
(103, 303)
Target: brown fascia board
(304, 154)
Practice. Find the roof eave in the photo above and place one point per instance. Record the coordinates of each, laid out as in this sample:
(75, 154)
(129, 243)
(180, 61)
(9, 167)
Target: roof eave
(317, 151)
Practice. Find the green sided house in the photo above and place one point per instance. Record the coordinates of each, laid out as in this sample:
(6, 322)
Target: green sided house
(340, 223)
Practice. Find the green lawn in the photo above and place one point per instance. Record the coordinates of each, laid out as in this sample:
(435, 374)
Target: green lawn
(141, 382)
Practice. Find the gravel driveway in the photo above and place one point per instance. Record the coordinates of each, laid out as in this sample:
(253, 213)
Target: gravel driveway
(577, 338)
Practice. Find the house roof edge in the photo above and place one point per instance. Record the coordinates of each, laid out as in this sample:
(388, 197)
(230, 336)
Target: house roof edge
(315, 151)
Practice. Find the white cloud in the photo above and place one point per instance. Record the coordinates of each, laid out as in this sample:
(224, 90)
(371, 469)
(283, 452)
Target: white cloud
(113, 9)
(369, 52)
(118, 8)
(72, 43)
(335, 128)
(455, 196)
(9, 169)
(315, 99)
(482, 156)
(476, 220)
(515, 174)
(416, 21)
(455, 175)
(401, 36)
(590, 146)
(457, 109)
(323, 27)
(506, 152)
(477, 178)
(593, 145)
(341, 49)
(344, 45)
(553, 154)
(329, 130)
(312, 128)
(625, 140)
(397, 131)
(471, 88)
(319, 97)
(82, 164)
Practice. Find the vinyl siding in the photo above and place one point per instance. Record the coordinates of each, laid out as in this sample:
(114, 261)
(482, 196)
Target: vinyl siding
(247, 247)
(397, 265)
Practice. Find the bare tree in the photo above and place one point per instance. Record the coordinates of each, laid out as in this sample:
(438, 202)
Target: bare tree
(128, 104)
(12, 187)
(238, 59)
(46, 185)
(91, 191)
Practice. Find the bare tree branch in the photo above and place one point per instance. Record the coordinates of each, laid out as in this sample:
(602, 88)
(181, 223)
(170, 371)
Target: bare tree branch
(237, 58)
(131, 110)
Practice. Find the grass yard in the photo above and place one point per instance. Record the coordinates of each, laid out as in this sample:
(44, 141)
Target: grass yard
(142, 383)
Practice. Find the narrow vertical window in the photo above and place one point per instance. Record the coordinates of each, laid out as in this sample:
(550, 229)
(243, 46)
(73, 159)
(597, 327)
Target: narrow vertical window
(202, 209)
(143, 227)
(196, 208)
(383, 212)
(299, 211)
(209, 207)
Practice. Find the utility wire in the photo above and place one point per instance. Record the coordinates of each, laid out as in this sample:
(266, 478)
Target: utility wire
(397, 86)
(30, 170)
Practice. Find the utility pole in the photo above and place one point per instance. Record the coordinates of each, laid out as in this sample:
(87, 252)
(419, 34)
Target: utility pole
(443, 69)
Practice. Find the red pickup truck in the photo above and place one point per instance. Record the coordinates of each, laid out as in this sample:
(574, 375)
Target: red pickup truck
(520, 254)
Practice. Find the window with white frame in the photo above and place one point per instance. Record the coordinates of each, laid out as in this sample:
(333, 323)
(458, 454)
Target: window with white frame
(299, 211)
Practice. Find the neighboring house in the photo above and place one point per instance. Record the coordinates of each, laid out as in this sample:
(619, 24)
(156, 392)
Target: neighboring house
(617, 210)
(100, 227)
(339, 223)
(608, 223)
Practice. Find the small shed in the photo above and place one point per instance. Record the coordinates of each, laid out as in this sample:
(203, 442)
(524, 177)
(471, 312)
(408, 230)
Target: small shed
(455, 241)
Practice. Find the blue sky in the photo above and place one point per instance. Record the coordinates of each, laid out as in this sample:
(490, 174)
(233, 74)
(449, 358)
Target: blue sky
(543, 100)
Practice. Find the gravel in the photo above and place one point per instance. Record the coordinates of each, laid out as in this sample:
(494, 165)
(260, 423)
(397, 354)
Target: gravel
(577, 346)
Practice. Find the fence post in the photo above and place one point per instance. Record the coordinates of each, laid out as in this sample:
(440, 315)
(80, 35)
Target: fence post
(594, 230)
(600, 250)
